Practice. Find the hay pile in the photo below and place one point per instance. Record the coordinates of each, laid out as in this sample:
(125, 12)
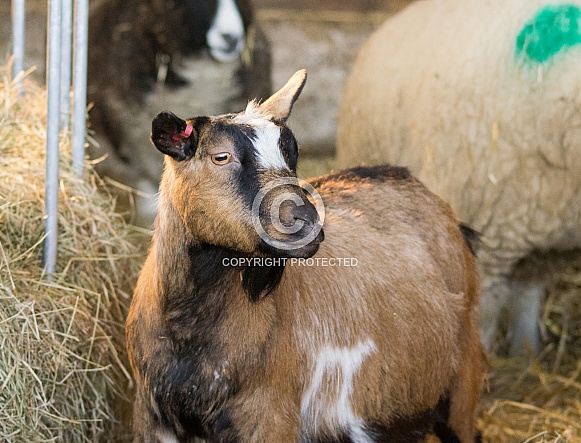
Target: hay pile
(539, 400)
(61, 341)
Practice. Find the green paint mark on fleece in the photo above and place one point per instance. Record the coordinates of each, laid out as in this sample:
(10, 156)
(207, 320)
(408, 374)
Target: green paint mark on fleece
(553, 29)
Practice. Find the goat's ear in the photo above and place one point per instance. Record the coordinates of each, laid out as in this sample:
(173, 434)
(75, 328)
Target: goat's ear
(280, 104)
(173, 136)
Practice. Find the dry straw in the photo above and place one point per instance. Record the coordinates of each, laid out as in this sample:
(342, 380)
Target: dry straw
(539, 400)
(63, 374)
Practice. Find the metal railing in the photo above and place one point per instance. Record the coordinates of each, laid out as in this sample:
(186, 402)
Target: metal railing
(64, 50)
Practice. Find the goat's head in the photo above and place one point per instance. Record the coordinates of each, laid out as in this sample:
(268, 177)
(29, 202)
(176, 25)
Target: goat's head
(232, 178)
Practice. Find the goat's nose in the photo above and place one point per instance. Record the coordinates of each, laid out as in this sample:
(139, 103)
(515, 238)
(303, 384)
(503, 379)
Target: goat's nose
(306, 213)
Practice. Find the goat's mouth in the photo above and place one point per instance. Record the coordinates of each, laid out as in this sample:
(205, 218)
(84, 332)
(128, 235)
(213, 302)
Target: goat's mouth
(293, 247)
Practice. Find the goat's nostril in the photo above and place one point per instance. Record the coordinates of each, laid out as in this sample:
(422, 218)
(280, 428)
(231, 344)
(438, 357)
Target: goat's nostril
(306, 213)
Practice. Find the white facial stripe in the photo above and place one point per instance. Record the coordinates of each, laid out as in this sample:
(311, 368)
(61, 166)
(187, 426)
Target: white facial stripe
(267, 149)
(225, 37)
(267, 137)
(317, 406)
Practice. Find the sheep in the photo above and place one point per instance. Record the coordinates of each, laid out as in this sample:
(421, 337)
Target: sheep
(145, 55)
(482, 101)
(244, 330)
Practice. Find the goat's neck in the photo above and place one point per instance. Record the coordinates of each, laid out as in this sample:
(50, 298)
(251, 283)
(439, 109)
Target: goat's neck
(198, 277)
(193, 284)
(183, 260)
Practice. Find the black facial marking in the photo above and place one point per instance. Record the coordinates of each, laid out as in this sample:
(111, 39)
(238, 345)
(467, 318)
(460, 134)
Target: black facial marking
(247, 179)
(287, 144)
(196, 18)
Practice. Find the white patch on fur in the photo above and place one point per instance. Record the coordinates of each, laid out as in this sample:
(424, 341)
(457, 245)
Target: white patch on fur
(251, 114)
(332, 409)
(225, 37)
(266, 145)
(165, 436)
(267, 137)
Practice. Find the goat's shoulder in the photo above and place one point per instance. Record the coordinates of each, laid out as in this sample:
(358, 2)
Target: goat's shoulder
(390, 201)
(383, 189)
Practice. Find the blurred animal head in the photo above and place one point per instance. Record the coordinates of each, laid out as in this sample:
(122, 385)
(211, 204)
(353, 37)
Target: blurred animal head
(218, 24)
(226, 35)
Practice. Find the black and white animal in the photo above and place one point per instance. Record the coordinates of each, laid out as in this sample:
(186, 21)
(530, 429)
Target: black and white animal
(147, 55)
(231, 339)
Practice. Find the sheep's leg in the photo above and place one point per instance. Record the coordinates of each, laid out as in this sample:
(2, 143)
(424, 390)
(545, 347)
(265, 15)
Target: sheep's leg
(494, 297)
(525, 309)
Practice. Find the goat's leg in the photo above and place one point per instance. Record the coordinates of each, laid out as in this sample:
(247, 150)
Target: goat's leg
(258, 417)
(466, 389)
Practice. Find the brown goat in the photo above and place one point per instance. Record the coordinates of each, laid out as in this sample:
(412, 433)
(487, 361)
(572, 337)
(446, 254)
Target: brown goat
(234, 339)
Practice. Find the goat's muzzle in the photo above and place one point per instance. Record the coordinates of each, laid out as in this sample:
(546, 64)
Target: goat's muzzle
(290, 225)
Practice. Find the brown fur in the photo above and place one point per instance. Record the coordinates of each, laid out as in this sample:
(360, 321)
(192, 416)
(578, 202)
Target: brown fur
(409, 310)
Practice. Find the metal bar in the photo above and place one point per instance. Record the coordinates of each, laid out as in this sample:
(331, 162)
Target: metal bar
(18, 26)
(80, 84)
(52, 136)
(66, 57)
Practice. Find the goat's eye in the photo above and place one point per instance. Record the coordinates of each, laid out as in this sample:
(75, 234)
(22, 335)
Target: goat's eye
(221, 159)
